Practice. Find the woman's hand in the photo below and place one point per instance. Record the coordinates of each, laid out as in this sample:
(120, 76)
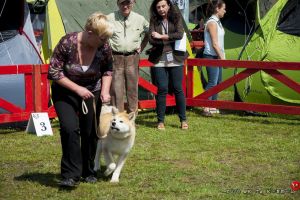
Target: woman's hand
(156, 35)
(84, 93)
(105, 97)
(105, 88)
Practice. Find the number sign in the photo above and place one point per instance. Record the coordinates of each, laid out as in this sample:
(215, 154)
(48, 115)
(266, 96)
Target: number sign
(39, 123)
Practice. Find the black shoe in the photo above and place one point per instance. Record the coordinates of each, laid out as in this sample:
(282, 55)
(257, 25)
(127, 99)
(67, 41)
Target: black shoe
(68, 183)
(90, 179)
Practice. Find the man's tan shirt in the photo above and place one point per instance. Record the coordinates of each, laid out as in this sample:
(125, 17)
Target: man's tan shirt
(128, 32)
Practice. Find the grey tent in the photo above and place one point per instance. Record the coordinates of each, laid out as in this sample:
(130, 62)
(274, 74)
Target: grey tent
(17, 46)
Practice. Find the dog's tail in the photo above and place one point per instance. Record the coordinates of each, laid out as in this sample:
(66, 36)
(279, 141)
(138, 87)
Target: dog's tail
(104, 125)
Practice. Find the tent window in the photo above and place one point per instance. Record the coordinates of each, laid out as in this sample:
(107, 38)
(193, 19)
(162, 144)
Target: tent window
(7, 35)
(11, 15)
(289, 19)
(265, 6)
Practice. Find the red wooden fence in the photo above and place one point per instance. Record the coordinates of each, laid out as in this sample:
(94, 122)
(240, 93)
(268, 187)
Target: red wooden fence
(36, 93)
(37, 88)
(251, 67)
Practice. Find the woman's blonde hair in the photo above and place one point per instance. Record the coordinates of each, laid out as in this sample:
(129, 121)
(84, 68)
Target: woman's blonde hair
(98, 24)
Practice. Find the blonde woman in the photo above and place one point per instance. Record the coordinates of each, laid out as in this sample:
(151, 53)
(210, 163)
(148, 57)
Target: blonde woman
(81, 69)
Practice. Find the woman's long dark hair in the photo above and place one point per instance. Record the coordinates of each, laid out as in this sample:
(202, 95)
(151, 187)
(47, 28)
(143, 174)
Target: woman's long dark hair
(212, 6)
(173, 15)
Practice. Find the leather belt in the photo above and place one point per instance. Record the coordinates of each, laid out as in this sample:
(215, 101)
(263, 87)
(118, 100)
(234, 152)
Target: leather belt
(124, 54)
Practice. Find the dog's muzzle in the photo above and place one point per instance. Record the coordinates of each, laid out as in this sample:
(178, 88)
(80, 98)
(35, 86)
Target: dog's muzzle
(113, 126)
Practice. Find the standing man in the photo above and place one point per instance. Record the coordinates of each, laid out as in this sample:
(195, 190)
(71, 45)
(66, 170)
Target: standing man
(128, 40)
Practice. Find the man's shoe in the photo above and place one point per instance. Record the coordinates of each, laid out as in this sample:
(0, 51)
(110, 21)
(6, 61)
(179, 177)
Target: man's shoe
(90, 179)
(68, 183)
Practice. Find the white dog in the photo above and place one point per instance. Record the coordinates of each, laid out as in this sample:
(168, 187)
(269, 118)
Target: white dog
(117, 133)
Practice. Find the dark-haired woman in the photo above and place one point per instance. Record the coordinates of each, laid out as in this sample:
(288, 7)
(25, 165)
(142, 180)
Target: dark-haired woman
(166, 26)
(214, 46)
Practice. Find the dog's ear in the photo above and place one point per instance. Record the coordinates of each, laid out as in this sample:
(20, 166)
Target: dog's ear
(115, 110)
(131, 116)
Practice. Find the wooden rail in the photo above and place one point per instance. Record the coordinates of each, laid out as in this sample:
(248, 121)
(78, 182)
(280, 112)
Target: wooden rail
(37, 87)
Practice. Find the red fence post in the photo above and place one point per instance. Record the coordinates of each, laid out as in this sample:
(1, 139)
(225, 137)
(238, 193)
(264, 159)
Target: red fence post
(37, 92)
(190, 82)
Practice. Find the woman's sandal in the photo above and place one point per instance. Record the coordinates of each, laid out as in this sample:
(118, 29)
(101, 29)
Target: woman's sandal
(161, 126)
(184, 126)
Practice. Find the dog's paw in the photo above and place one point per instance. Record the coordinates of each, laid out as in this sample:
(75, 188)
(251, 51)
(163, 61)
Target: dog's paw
(114, 180)
(111, 167)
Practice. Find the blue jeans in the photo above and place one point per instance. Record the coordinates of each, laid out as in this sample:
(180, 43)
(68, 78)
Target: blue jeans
(162, 76)
(214, 76)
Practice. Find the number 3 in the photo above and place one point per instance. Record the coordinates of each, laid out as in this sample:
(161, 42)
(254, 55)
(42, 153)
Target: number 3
(43, 126)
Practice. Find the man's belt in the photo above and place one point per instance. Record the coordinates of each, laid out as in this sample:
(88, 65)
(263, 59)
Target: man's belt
(124, 54)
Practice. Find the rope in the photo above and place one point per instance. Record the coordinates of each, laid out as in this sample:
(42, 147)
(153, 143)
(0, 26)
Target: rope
(34, 47)
(84, 107)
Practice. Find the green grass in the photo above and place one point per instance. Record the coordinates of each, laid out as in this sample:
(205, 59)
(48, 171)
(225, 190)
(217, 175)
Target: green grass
(223, 157)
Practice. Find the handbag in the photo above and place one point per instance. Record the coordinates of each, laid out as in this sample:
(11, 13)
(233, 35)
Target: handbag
(180, 45)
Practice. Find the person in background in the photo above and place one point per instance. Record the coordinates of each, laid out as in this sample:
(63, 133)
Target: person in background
(200, 24)
(166, 26)
(214, 46)
(81, 70)
(184, 7)
(128, 40)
